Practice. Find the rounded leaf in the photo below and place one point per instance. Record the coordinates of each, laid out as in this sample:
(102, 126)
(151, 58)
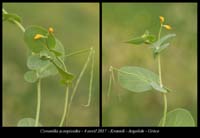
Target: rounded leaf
(51, 41)
(30, 76)
(34, 62)
(59, 48)
(136, 79)
(35, 45)
(179, 118)
(46, 71)
(27, 122)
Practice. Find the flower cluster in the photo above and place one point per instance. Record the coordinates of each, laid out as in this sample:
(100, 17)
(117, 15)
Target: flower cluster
(166, 26)
(39, 36)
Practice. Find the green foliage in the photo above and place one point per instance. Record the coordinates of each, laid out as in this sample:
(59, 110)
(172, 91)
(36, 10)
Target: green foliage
(47, 58)
(27, 122)
(35, 45)
(34, 62)
(67, 77)
(179, 117)
(11, 17)
(146, 38)
(157, 87)
(51, 41)
(158, 46)
(137, 79)
(43, 68)
(31, 76)
(47, 50)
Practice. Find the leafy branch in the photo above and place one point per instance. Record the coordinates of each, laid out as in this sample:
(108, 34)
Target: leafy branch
(138, 79)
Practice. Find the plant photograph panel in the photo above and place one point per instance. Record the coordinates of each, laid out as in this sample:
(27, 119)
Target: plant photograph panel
(149, 69)
(50, 64)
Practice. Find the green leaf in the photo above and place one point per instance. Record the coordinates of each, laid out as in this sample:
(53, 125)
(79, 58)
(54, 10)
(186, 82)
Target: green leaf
(34, 62)
(46, 55)
(157, 87)
(57, 53)
(30, 76)
(47, 70)
(145, 38)
(136, 79)
(150, 39)
(42, 67)
(162, 40)
(27, 122)
(179, 118)
(51, 41)
(67, 77)
(35, 45)
(137, 40)
(59, 48)
(161, 48)
(11, 17)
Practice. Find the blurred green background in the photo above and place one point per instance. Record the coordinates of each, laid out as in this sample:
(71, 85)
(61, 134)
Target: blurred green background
(123, 21)
(76, 25)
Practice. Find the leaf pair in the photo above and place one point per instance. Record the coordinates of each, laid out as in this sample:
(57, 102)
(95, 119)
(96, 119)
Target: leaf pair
(12, 18)
(48, 53)
(146, 38)
(38, 69)
(159, 45)
(137, 79)
(37, 45)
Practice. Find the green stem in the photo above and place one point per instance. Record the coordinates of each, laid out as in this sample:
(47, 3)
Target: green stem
(63, 64)
(161, 84)
(65, 107)
(77, 52)
(110, 81)
(91, 80)
(38, 102)
(159, 33)
(19, 25)
(16, 22)
(78, 81)
(66, 96)
(165, 110)
(159, 71)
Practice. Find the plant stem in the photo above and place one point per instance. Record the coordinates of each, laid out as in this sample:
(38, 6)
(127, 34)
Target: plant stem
(165, 110)
(77, 52)
(159, 71)
(78, 80)
(159, 33)
(161, 84)
(20, 26)
(16, 22)
(65, 107)
(91, 80)
(109, 85)
(38, 102)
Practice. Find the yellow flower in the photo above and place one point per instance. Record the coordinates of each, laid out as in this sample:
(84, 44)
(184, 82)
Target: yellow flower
(51, 30)
(168, 27)
(38, 36)
(162, 19)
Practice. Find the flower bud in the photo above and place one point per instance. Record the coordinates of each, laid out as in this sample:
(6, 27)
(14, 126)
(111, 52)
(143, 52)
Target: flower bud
(38, 36)
(168, 27)
(162, 19)
(50, 30)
